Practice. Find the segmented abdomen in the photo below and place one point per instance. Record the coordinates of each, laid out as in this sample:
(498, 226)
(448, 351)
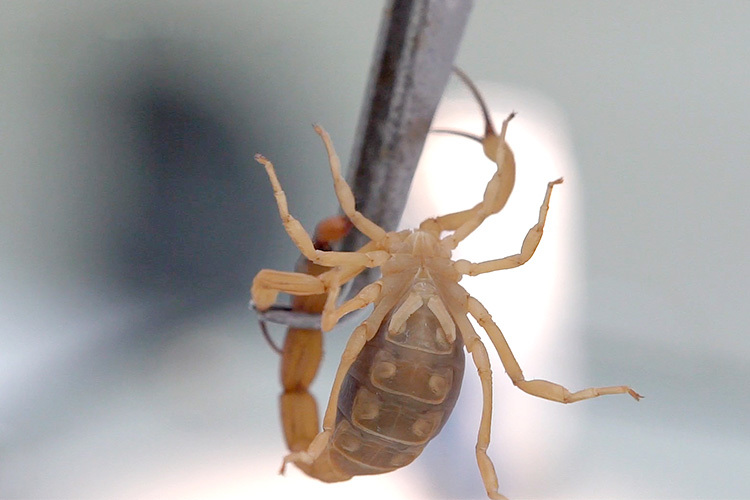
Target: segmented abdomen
(397, 396)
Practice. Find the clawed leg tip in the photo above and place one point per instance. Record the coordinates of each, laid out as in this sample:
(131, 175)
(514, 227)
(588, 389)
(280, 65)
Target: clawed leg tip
(496, 496)
(635, 395)
(282, 469)
(260, 158)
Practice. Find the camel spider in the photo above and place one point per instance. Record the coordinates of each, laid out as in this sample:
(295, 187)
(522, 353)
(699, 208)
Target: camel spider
(400, 373)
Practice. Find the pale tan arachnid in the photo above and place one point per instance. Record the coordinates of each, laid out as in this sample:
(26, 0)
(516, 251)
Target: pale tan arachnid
(401, 370)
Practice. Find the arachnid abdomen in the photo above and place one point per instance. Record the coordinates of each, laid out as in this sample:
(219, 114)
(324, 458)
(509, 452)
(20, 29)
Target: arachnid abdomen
(397, 396)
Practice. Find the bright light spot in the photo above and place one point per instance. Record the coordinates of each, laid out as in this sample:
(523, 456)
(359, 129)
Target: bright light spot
(255, 480)
(537, 305)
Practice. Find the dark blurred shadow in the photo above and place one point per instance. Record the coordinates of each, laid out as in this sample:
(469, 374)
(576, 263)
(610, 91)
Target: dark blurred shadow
(193, 234)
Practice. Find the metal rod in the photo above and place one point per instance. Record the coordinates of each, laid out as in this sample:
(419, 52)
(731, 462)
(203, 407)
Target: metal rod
(414, 55)
(413, 59)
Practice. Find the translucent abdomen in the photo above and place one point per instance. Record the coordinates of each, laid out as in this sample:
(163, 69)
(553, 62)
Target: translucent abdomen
(397, 396)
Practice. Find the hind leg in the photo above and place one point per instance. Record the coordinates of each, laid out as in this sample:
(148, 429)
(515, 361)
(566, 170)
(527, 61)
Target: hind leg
(539, 388)
(478, 353)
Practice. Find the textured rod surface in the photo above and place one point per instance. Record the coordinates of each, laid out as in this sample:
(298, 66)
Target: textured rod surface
(416, 47)
(413, 60)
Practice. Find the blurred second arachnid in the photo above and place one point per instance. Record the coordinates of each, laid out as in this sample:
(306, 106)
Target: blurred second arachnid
(401, 370)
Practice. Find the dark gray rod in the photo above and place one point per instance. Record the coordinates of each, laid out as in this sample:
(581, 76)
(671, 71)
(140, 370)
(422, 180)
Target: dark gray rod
(414, 55)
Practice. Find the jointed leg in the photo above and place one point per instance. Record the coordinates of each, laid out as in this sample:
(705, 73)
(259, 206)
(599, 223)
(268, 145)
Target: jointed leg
(496, 193)
(499, 187)
(449, 222)
(361, 335)
(344, 192)
(348, 273)
(528, 247)
(332, 314)
(268, 284)
(353, 347)
(303, 241)
(479, 354)
(540, 388)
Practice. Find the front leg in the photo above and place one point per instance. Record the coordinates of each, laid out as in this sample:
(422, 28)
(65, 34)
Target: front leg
(344, 192)
(496, 193)
(498, 188)
(302, 239)
(528, 247)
